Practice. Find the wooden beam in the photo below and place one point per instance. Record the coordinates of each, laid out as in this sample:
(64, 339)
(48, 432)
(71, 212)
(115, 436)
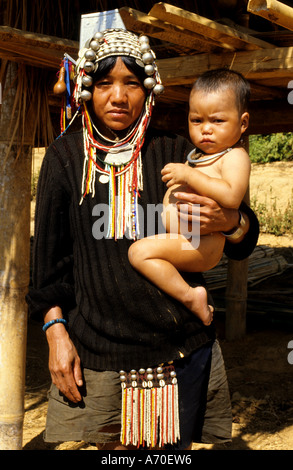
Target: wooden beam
(274, 11)
(34, 49)
(254, 65)
(266, 117)
(207, 28)
(175, 94)
(180, 94)
(263, 92)
(142, 23)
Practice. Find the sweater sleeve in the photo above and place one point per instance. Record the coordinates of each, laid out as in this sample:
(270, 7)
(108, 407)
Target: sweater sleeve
(240, 251)
(52, 270)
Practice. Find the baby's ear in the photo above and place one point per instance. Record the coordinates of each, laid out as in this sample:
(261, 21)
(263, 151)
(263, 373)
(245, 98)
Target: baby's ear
(244, 122)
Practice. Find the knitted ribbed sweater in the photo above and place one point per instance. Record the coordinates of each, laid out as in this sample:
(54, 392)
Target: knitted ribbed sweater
(117, 319)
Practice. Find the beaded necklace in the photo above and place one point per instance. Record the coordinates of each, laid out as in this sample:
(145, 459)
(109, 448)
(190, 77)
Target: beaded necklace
(123, 175)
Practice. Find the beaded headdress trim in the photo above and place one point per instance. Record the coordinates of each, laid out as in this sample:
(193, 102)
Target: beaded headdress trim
(115, 42)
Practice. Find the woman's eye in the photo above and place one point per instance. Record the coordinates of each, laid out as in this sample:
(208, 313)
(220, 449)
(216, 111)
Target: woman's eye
(134, 83)
(103, 83)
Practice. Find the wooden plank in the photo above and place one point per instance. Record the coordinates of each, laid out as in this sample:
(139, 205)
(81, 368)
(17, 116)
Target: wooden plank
(261, 92)
(267, 117)
(254, 65)
(34, 49)
(274, 11)
(141, 23)
(207, 28)
(175, 94)
(279, 38)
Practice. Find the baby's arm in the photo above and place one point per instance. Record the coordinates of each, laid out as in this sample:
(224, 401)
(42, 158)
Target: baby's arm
(228, 190)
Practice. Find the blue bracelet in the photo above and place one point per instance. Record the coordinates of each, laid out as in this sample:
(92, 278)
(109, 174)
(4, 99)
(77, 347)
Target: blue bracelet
(52, 322)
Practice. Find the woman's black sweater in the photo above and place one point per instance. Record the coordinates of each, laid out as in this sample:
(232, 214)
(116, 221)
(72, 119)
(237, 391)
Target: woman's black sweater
(117, 319)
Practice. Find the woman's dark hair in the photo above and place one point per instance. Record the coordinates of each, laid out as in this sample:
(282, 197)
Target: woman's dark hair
(106, 65)
(221, 79)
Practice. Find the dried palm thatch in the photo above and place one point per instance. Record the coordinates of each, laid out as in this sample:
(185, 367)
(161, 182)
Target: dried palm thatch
(30, 120)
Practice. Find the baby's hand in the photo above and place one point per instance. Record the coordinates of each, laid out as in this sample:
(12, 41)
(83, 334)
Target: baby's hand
(174, 173)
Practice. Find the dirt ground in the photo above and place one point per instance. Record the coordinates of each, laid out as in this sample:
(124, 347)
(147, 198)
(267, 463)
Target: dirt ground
(258, 367)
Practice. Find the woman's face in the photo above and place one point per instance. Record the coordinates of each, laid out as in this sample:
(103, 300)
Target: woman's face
(118, 99)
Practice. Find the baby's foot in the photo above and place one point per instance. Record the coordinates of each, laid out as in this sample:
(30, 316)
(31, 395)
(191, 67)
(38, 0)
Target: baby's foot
(199, 305)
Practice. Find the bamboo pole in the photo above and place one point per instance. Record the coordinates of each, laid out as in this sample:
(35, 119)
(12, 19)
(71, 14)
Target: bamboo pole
(15, 180)
(274, 11)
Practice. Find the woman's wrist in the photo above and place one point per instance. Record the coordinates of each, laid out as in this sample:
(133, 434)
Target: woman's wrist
(54, 321)
(237, 233)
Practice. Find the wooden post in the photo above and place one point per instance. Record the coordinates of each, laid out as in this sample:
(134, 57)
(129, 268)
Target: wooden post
(236, 297)
(236, 291)
(15, 180)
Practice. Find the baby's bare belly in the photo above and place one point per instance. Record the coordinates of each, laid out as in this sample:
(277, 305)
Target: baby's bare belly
(170, 218)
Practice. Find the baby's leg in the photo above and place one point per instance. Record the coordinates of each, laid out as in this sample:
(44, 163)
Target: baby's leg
(161, 259)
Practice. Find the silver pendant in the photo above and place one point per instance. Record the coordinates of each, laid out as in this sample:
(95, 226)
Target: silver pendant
(104, 179)
(119, 157)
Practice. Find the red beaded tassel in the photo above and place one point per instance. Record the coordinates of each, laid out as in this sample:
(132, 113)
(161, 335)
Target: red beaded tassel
(150, 412)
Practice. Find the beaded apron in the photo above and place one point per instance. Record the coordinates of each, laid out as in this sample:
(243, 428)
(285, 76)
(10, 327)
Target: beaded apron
(150, 411)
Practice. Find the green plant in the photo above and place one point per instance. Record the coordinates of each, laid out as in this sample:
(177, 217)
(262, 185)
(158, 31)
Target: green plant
(272, 147)
(272, 219)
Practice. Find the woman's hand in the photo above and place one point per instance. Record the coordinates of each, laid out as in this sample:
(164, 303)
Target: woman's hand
(206, 212)
(64, 362)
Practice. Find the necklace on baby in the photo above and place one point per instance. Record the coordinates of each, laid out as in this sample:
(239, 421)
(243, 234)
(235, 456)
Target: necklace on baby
(195, 157)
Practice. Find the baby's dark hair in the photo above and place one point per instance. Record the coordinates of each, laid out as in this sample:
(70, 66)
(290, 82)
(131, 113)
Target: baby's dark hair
(221, 79)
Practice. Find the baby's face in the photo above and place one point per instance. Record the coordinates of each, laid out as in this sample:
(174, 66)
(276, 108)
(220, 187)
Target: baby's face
(214, 120)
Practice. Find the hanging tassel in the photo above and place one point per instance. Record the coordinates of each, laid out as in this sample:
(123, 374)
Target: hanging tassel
(68, 90)
(123, 193)
(150, 411)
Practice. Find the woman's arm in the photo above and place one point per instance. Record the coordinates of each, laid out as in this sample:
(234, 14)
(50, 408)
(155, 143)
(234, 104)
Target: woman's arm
(52, 270)
(64, 362)
(52, 293)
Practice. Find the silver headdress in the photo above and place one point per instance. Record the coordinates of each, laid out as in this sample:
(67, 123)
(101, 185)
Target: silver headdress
(115, 42)
(122, 167)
